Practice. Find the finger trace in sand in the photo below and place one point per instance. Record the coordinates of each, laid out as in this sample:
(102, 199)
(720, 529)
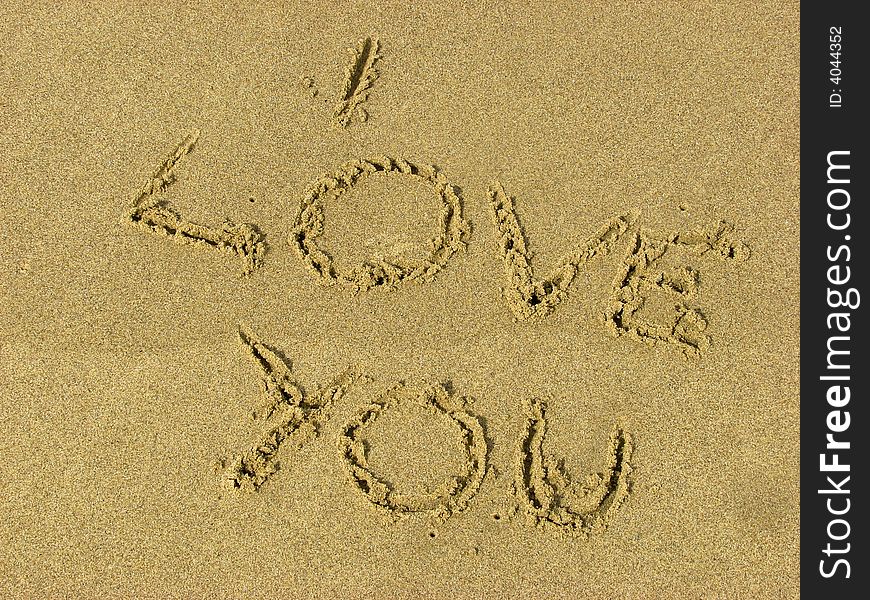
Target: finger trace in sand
(529, 297)
(448, 238)
(638, 279)
(358, 79)
(287, 409)
(151, 212)
(309, 86)
(551, 499)
(453, 495)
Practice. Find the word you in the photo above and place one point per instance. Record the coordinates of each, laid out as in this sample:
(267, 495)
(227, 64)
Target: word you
(545, 493)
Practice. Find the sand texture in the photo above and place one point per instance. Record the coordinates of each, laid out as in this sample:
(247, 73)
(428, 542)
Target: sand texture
(399, 300)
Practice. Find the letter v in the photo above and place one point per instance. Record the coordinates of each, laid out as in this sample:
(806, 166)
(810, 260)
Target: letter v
(526, 296)
(151, 212)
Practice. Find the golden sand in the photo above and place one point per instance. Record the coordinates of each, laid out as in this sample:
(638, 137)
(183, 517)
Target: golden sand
(491, 300)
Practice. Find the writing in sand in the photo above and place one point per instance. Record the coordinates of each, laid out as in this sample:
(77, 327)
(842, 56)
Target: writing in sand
(642, 276)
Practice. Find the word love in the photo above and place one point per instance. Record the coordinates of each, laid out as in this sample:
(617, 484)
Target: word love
(629, 312)
(545, 493)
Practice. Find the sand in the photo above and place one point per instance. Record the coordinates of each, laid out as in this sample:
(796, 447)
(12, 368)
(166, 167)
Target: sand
(409, 300)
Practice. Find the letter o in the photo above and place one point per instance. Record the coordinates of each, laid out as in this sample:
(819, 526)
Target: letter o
(379, 273)
(845, 535)
(842, 192)
(454, 495)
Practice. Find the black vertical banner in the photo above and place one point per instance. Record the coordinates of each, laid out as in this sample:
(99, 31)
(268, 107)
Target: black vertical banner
(834, 340)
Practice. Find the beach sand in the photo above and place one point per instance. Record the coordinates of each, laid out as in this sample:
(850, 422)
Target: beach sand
(408, 300)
